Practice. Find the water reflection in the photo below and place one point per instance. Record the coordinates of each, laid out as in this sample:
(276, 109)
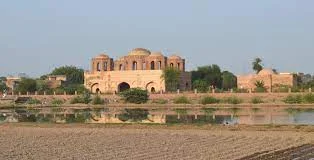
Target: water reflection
(156, 115)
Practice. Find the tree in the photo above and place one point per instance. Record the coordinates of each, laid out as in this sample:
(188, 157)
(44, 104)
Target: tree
(210, 74)
(171, 76)
(42, 86)
(257, 66)
(229, 80)
(135, 95)
(3, 86)
(27, 85)
(201, 85)
(74, 75)
(260, 86)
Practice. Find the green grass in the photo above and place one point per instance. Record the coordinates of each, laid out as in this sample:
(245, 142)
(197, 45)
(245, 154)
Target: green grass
(209, 100)
(233, 100)
(182, 100)
(293, 99)
(257, 100)
(160, 101)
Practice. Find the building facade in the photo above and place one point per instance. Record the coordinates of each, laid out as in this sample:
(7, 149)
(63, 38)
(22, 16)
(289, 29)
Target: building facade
(269, 78)
(140, 68)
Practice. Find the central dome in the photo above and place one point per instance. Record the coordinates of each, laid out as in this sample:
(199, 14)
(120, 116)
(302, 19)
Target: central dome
(139, 52)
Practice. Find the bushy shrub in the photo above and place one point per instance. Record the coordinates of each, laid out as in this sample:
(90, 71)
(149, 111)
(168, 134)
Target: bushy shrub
(308, 98)
(85, 98)
(135, 95)
(160, 101)
(233, 100)
(257, 100)
(260, 90)
(293, 99)
(209, 100)
(33, 101)
(98, 100)
(57, 102)
(181, 100)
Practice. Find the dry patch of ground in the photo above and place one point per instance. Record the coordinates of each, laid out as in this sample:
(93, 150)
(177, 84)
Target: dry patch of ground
(50, 141)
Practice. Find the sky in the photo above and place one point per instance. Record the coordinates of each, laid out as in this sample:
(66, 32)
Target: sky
(36, 36)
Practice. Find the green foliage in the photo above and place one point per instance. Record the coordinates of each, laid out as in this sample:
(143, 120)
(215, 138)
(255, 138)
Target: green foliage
(171, 76)
(134, 115)
(257, 100)
(260, 86)
(85, 98)
(181, 100)
(33, 101)
(308, 98)
(210, 74)
(57, 102)
(3, 87)
(26, 85)
(293, 99)
(42, 86)
(233, 100)
(209, 100)
(97, 100)
(160, 101)
(229, 80)
(135, 95)
(257, 66)
(74, 75)
(71, 88)
(201, 85)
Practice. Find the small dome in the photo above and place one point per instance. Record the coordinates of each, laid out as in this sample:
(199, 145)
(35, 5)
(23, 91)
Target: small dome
(139, 52)
(266, 72)
(174, 57)
(157, 54)
(102, 55)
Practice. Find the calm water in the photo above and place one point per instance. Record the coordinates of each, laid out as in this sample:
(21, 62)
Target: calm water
(164, 116)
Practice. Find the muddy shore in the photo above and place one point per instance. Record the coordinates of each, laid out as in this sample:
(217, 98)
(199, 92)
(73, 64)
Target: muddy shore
(86, 141)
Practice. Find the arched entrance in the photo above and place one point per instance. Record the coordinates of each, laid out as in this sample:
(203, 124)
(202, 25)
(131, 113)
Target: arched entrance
(95, 88)
(151, 87)
(123, 86)
(98, 91)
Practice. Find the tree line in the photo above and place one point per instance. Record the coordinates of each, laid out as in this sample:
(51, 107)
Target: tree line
(204, 79)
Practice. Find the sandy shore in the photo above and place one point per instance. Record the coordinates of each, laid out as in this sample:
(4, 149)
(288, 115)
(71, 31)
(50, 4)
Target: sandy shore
(51, 141)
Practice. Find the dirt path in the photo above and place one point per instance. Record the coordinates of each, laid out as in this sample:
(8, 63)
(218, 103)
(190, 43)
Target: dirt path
(85, 142)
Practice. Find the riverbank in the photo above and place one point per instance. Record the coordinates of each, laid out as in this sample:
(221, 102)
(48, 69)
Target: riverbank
(136, 141)
(245, 98)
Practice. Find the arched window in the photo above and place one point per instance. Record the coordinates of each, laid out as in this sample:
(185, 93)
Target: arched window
(98, 66)
(144, 66)
(171, 65)
(134, 66)
(159, 65)
(152, 65)
(105, 66)
(178, 65)
(120, 67)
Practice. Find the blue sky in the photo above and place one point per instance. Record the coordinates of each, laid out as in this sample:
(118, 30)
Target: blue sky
(37, 36)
